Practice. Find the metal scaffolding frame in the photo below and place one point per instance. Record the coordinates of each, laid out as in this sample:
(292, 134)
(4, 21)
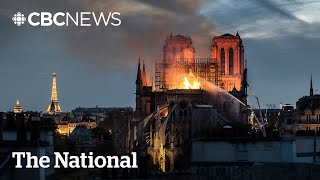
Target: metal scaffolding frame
(204, 68)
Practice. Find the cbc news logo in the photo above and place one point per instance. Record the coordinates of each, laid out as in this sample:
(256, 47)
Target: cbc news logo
(18, 18)
(68, 19)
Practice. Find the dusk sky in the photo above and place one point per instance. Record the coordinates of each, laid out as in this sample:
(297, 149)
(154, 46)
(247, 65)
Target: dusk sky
(97, 65)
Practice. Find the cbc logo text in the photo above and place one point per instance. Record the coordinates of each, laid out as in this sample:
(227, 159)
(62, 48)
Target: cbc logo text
(68, 19)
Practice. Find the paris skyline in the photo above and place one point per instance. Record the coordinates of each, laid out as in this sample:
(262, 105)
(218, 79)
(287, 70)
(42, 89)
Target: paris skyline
(98, 66)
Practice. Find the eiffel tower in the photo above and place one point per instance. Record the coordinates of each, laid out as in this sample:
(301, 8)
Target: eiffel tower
(54, 106)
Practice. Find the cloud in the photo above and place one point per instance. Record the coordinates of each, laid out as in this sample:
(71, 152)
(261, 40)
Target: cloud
(266, 18)
(275, 8)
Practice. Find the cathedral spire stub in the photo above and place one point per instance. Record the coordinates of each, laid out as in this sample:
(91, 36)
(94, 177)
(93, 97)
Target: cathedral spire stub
(311, 87)
(138, 89)
(139, 78)
(144, 74)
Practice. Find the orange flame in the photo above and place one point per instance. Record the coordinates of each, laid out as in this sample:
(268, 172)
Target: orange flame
(195, 85)
(179, 78)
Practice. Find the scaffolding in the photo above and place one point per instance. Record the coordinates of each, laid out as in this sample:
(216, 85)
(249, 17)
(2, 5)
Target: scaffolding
(205, 68)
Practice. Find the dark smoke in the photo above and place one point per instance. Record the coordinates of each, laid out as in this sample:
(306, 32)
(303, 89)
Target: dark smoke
(145, 25)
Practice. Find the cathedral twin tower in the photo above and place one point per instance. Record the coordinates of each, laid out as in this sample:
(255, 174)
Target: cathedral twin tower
(227, 50)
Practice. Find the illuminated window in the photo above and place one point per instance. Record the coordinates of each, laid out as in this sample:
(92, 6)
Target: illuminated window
(222, 61)
(231, 61)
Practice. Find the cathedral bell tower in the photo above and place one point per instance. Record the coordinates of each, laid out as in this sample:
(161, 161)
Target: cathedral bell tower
(228, 51)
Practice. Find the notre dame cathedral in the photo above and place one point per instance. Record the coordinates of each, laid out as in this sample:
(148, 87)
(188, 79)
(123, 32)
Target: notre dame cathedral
(187, 95)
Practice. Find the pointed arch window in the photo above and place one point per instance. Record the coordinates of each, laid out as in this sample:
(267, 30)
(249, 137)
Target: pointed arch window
(223, 61)
(231, 62)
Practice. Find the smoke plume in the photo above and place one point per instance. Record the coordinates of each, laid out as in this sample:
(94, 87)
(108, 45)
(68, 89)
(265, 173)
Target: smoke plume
(145, 25)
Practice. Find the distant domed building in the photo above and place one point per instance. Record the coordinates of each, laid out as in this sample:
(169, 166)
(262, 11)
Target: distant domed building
(17, 108)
